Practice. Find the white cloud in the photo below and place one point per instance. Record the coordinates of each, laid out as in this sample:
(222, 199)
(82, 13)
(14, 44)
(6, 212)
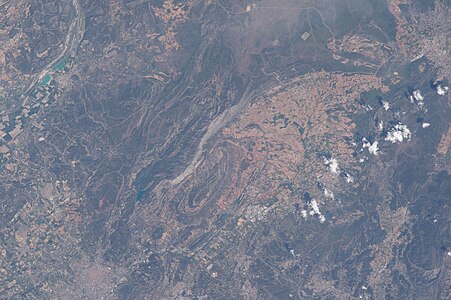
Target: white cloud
(329, 194)
(349, 178)
(385, 105)
(442, 90)
(333, 165)
(425, 125)
(315, 211)
(398, 133)
(315, 206)
(417, 95)
(373, 148)
(368, 107)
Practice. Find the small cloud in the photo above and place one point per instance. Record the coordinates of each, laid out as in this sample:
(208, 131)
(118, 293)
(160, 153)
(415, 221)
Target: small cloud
(398, 133)
(349, 178)
(385, 105)
(315, 211)
(329, 194)
(315, 206)
(417, 95)
(373, 148)
(332, 164)
(425, 125)
(368, 107)
(250, 7)
(441, 90)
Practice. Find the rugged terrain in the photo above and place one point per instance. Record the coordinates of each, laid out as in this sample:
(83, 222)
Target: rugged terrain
(223, 149)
